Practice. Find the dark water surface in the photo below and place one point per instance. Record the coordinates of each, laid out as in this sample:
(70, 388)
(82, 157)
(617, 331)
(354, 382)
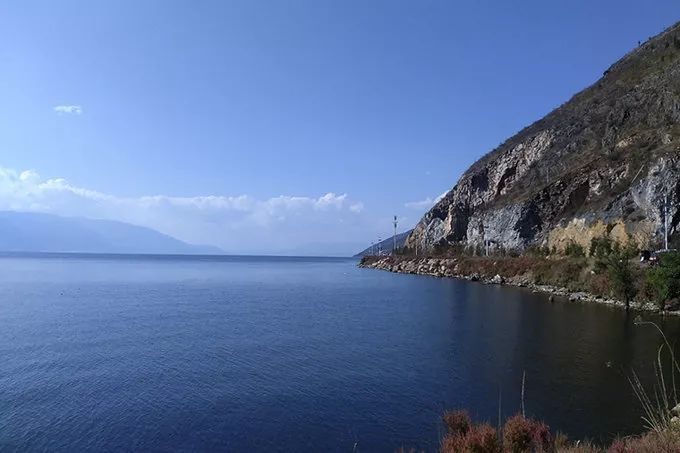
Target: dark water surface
(264, 354)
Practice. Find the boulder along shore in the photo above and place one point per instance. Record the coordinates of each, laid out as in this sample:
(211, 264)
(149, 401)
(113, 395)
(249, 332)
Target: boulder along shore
(457, 268)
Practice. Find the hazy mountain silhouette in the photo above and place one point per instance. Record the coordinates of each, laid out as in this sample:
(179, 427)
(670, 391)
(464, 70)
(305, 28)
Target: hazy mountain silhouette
(37, 232)
(386, 245)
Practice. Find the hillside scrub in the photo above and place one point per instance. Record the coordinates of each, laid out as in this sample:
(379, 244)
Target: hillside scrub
(591, 167)
(609, 271)
(574, 273)
(664, 280)
(620, 272)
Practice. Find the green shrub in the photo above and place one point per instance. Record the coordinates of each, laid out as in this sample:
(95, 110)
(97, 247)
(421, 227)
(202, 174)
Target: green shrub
(513, 253)
(620, 273)
(656, 283)
(574, 249)
(664, 279)
(628, 251)
(600, 247)
(535, 250)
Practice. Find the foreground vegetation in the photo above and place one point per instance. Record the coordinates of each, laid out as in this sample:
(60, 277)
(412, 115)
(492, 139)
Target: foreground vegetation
(607, 270)
(519, 433)
(522, 434)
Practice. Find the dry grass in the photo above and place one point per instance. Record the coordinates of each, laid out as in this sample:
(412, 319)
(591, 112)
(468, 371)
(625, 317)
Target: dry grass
(564, 271)
(478, 439)
(663, 397)
(524, 435)
(652, 442)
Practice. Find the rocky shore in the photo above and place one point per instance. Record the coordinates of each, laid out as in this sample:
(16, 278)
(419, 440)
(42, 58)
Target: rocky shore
(450, 268)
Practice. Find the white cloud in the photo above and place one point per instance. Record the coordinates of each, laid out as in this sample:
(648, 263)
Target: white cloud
(68, 109)
(357, 207)
(427, 203)
(240, 223)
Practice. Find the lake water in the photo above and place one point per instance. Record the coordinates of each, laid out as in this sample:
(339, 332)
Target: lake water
(106, 353)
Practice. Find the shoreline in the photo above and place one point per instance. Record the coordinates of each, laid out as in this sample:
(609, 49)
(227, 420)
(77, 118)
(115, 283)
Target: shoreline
(447, 268)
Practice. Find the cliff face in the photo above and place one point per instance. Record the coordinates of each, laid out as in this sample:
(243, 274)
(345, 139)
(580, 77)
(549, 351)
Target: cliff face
(599, 165)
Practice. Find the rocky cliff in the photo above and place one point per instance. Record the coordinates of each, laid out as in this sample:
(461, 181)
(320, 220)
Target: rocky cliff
(599, 165)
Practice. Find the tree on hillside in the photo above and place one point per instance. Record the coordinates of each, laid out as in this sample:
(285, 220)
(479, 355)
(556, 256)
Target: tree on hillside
(664, 279)
(621, 275)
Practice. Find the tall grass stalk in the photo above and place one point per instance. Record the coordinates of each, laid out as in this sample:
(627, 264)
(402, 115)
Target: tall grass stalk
(500, 423)
(524, 377)
(657, 405)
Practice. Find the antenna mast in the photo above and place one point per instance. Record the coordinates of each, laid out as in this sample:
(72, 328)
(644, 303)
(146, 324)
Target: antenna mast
(665, 221)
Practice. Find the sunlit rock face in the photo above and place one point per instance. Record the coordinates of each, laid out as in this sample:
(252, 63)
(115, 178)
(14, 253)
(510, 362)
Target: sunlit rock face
(599, 165)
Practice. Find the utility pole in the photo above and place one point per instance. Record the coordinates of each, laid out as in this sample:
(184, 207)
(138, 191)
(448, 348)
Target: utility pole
(394, 237)
(665, 221)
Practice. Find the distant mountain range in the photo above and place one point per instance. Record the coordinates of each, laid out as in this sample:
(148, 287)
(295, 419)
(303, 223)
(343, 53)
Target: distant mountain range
(386, 245)
(36, 232)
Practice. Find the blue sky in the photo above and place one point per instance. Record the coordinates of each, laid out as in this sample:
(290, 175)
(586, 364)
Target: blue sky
(282, 126)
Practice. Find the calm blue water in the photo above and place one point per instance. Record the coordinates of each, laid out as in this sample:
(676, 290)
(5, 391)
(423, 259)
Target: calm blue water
(272, 354)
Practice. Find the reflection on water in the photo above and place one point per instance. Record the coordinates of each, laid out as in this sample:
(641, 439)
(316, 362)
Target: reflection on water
(243, 354)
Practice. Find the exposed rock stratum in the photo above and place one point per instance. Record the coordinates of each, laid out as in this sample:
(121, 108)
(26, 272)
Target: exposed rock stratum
(597, 166)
